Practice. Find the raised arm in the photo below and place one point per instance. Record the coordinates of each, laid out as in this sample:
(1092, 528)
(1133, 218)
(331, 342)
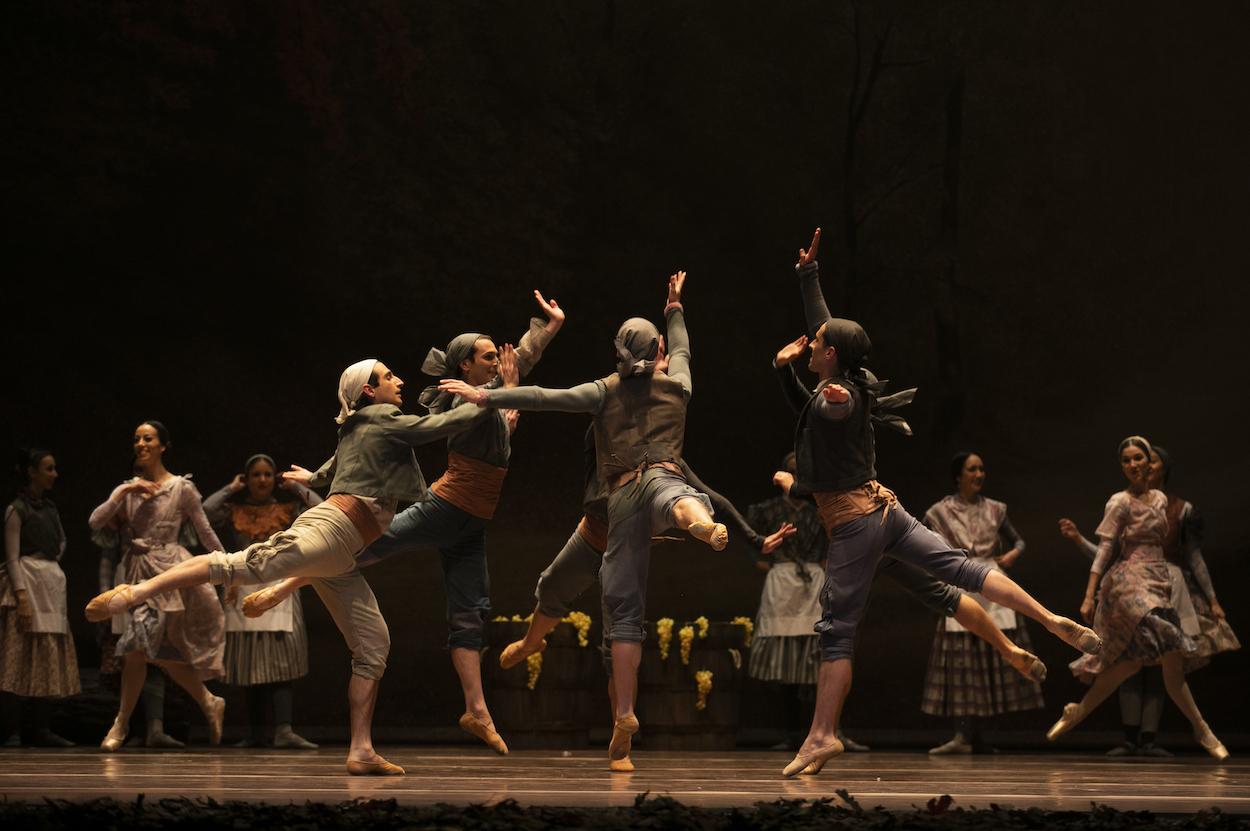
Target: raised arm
(815, 310)
(678, 339)
(108, 509)
(215, 504)
(529, 349)
(792, 388)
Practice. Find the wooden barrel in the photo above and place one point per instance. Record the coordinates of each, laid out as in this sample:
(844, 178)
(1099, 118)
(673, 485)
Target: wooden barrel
(668, 691)
(557, 713)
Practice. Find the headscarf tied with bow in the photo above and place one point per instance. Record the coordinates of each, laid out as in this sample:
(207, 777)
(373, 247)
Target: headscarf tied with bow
(637, 346)
(440, 364)
(352, 386)
(852, 344)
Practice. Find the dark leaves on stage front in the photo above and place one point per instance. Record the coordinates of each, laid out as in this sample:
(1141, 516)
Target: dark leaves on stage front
(646, 813)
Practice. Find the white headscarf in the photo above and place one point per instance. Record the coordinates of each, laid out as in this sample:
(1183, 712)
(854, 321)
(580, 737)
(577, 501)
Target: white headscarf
(351, 386)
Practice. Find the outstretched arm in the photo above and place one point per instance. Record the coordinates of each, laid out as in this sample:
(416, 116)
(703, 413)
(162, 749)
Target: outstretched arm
(1069, 530)
(678, 338)
(815, 310)
(583, 398)
(318, 478)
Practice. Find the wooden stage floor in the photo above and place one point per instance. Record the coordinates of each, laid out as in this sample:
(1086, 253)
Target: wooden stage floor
(896, 781)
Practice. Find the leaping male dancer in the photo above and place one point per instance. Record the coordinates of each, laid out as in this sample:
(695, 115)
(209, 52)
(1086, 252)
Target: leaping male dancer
(639, 425)
(454, 515)
(372, 468)
(836, 452)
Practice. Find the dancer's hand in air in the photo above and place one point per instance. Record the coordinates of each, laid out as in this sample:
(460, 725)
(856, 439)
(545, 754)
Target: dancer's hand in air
(555, 315)
(835, 394)
(297, 474)
(774, 540)
(471, 394)
(675, 283)
(508, 370)
(809, 254)
(791, 351)
(784, 479)
(1068, 528)
(238, 483)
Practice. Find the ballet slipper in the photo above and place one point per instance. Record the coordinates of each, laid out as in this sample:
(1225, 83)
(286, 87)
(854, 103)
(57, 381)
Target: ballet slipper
(957, 745)
(100, 608)
(379, 768)
(257, 603)
(1209, 742)
(1073, 715)
(115, 738)
(290, 740)
(714, 534)
(816, 756)
(161, 739)
(215, 712)
(1079, 637)
(485, 731)
(1028, 665)
(514, 653)
(622, 740)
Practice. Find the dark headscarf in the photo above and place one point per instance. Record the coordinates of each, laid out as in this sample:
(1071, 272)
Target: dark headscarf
(637, 347)
(440, 364)
(850, 340)
(1166, 458)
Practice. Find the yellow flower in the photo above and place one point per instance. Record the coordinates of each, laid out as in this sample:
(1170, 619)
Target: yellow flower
(534, 664)
(581, 622)
(746, 624)
(664, 633)
(499, 619)
(701, 622)
(687, 640)
(703, 680)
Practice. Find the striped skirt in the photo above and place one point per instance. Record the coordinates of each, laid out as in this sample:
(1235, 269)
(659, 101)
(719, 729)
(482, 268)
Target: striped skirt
(268, 657)
(967, 677)
(786, 659)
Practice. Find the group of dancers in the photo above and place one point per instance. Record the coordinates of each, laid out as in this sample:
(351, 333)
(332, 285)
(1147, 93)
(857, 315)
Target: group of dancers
(163, 608)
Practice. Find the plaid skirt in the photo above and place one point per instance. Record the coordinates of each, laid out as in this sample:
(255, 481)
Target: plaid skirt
(36, 664)
(967, 677)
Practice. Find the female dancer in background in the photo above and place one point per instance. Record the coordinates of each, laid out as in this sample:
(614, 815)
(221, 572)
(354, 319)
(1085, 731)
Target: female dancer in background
(264, 654)
(967, 680)
(37, 657)
(1132, 602)
(182, 631)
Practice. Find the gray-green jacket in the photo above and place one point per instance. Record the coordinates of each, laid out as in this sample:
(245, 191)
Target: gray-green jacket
(374, 456)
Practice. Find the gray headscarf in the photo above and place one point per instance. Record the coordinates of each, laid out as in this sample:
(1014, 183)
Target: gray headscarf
(440, 364)
(850, 340)
(637, 347)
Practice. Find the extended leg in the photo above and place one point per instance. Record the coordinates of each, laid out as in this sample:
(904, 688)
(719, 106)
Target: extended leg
(1105, 684)
(1178, 691)
(213, 707)
(134, 671)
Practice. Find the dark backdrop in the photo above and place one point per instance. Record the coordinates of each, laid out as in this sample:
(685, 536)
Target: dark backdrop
(1037, 210)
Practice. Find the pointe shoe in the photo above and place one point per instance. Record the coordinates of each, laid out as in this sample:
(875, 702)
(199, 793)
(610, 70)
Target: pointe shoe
(257, 603)
(622, 740)
(215, 712)
(98, 608)
(1072, 716)
(114, 739)
(514, 653)
(714, 534)
(1028, 665)
(1210, 743)
(379, 768)
(485, 731)
(1079, 637)
(816, 756)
